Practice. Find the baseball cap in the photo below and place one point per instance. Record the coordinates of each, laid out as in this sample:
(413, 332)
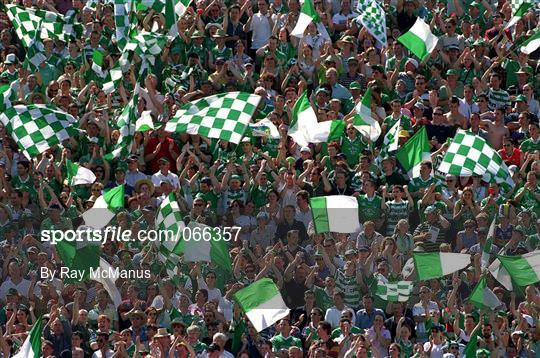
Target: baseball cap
(355, 86)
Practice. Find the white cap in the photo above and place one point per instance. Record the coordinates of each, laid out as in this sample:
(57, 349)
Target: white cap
(305, 149)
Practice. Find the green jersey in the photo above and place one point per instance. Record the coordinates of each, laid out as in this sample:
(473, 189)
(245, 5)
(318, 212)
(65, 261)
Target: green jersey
(369, 208)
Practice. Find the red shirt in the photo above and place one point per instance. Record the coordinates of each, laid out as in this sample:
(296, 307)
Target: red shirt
(513, 159)
(153, 166)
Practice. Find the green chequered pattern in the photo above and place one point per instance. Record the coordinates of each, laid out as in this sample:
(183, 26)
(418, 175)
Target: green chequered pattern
(225, 116)
(147, 45)
(394, 292)
(469, 154)
(373, 17)
(169, 218)
(36, 128)
(126, 125)
(121, 21)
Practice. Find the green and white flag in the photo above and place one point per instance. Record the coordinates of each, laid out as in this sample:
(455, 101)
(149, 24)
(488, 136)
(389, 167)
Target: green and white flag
(97, 63)
(169, 219)
(500, 273)
(6, 94)
(174, 9)
(303, 121)
(415, 151)
(394, 292)
(373, 17)
(419, 39)
(531, 44)
(225, 116)
(28, 27)
(335, 213)
(103, 210)
(391, 140)
(145, 122)
(77, 174)
(363, 121)
(31, 347)
(264, 128)
(121, 21)
(470, 154)
(147, 45)
(207, 244)
(36, 127)
(308, 14)
(482, 297)
(328, 131)
(486, 249)
(126, 124)
(524, 270)
(519, 8)
(84, 257)
(438, 264)
(262, 303)
(113, 78)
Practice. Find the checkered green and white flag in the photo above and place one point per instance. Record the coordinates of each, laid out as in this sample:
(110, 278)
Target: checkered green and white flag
(394, 292)
(126, 124)
(373, 17)
(390, 141)
(520, 8)
(113, 78)
(59, 27)
(6, 95)
(225, 116)
(28, 26)
(121, 21)
(169, 223)
(470, 154)
(36, 128)
(143, 5)
(147, 45)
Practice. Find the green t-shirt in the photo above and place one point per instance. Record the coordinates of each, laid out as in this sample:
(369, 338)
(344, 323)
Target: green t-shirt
(528, 145)
(369, 209)
(279, 342)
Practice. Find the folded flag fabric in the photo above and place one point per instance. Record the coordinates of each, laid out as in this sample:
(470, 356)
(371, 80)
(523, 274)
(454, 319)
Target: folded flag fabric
(486, 249)
(145, 122)
(169, 218)
(225, 116)
(531, 44)
(31, 347)
(112, 79)
(126, 124)
(438, 264)
(373, 17)
(364, 123)
(97, 63)
(336, 213)
(262, 303)
(391, 140)
(419, 39)
(500, 273)
(174, 9)
(482, 297)
(147, 45)
(103, 210)
(36, 127)
(303, 121)
(205, 244)
(308, 14)
(328, 131)
(77, 174)
(415, 151)
(470, 154)
(6, 93)
(394, 292)
(524, 269)
(264, 128)
(519, 8)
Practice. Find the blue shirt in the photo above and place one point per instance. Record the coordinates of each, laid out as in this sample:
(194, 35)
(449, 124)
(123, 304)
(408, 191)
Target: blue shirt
(364, 320)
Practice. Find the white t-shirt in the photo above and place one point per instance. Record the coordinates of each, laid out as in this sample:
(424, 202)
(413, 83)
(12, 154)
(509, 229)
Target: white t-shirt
(261, 31)
(170, 177)
(22, 288)
(437, 351)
